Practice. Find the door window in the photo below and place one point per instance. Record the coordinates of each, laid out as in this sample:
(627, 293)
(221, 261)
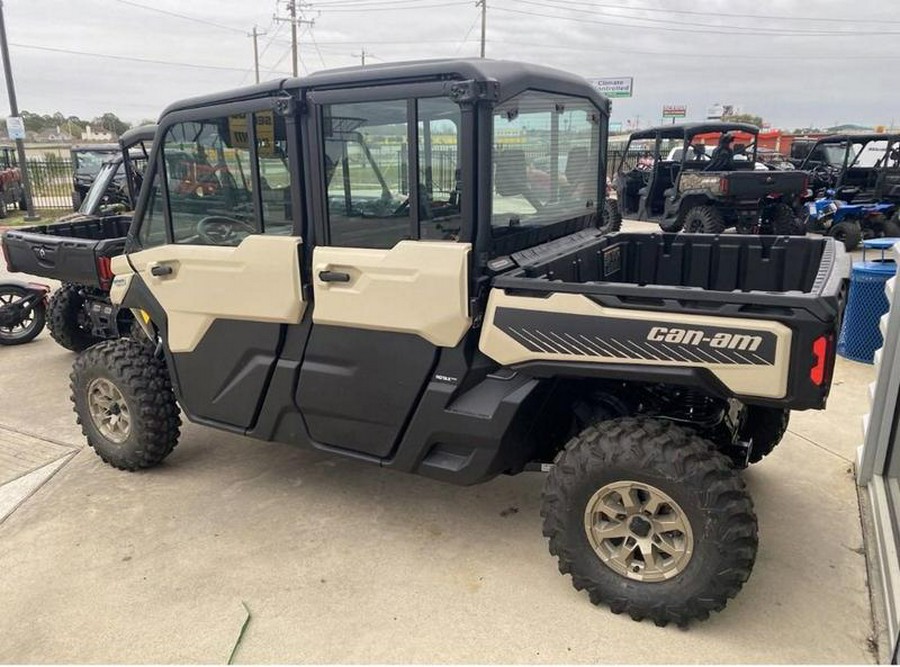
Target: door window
(210, 181)
(153, 227)
(366, 171)
(440, 216)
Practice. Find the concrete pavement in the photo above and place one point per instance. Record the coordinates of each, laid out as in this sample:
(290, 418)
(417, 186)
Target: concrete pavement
(343, 562)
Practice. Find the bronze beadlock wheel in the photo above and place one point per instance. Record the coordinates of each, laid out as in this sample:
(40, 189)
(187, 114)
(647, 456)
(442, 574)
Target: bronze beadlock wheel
(638, 531)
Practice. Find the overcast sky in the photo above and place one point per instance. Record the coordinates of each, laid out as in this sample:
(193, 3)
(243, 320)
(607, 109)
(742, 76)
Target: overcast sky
(794, 62)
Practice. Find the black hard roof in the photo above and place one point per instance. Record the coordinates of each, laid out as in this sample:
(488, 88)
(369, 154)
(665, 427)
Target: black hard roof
(681, 130)
(512, 76)
(136, 134)
(862, 137)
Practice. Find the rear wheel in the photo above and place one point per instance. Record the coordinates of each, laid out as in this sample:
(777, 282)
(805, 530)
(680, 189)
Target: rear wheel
(763, 428)
(784, 222)
(29, 326)
(650, 519)
(68, 322)
(704, 220)
(612, 217)
(848, 233)
(125, 404)
(891, 228)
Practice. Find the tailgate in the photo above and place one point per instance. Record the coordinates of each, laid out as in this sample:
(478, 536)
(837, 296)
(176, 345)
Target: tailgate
(69, 259)
(756, 184)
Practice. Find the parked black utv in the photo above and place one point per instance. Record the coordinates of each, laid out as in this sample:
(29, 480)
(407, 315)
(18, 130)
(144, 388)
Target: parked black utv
(704, 177)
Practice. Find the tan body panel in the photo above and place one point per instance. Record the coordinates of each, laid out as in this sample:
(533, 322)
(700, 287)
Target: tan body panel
(258, 280)
(416, 287)
(745, 376)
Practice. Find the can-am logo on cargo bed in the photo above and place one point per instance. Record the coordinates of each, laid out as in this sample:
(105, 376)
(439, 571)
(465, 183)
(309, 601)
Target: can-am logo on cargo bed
(720, 340)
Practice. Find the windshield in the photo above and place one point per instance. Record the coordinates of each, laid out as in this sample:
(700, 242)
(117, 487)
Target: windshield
(99, 187)
(546, 161)
(89, 162)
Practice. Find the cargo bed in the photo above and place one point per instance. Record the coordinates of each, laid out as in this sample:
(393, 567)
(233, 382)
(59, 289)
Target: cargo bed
(667, 300)
(70, 252)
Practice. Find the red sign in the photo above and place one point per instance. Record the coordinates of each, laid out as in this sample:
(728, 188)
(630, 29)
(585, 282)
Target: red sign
(674, 111)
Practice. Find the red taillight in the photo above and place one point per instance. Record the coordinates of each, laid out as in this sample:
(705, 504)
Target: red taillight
(104, 271)
(723, 185)
(820, 351)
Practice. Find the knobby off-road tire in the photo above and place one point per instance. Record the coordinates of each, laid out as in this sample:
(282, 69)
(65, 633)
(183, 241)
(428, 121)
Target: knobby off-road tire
(764, 427)
(848, 233)
(66, 319)
(704, 220)
(785, 223)
(125, 404)
(611, 220)
(28, 328)
(890, 228)
(683, 496)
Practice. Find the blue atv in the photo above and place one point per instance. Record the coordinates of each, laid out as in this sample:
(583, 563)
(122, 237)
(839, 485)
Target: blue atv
(849, 223)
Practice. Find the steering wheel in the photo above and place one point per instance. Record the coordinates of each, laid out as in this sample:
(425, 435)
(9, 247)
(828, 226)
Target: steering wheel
(221, 230)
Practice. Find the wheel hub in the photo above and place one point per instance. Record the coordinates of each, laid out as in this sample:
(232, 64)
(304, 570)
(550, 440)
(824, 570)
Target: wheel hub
(640, 526)
(638, 531)
(108, 410)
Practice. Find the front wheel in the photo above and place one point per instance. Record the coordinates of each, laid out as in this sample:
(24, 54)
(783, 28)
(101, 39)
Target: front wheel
(125, 404)
(848, 233)
(650, 519)
(31, 323)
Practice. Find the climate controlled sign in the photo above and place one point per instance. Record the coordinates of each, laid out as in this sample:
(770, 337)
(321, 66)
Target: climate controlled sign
(616, 87)
(674, 111)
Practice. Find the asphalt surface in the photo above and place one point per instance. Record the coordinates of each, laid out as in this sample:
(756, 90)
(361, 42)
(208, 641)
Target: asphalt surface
(338, 561)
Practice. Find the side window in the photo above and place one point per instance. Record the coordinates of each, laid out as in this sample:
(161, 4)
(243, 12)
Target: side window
(153, 227)
(210, 181)
(366, 171)
(439, 175)
(546, 161)
(274, 173)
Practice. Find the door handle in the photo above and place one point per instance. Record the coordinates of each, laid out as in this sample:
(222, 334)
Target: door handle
(334, 277)
(160, 270)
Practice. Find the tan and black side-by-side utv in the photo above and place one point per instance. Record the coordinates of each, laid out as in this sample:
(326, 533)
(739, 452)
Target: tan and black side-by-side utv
(405, 264)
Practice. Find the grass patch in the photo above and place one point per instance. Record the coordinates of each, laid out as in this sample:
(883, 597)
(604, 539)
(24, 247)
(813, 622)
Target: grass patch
(16, 218)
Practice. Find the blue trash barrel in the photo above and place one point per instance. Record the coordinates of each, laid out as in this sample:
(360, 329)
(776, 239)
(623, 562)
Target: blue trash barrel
(866, 303)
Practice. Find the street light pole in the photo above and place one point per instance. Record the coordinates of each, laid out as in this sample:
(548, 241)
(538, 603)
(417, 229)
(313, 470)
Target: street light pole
(14, 111)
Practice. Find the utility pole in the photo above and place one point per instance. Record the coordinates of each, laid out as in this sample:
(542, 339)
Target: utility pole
(362, 56)
(14, 111)
(293, 7)
(483, 5)
(255, 35)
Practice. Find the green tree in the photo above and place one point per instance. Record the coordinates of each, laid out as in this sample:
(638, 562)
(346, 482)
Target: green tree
(111, 122)
(750, 118)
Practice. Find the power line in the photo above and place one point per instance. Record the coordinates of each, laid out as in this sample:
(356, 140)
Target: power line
(181, 16)
(669, 54)
(767, 17)
(405, 7)
(110, 56)
(744, 32)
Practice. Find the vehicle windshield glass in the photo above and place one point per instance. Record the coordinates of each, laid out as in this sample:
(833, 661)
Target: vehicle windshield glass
(869, 155)
(101, 184)
(89, 162)
(546, 161)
